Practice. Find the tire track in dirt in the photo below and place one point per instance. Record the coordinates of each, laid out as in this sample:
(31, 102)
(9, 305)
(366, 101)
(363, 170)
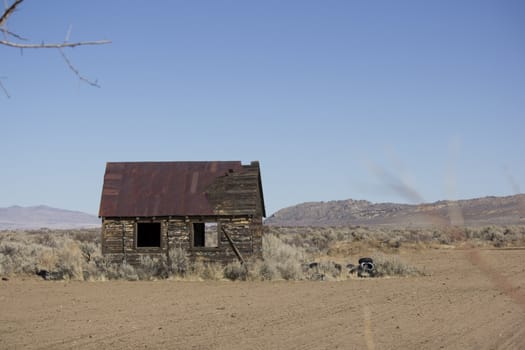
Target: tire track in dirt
(369, 337)
(514, 339)
(306, 320)
(498, 279)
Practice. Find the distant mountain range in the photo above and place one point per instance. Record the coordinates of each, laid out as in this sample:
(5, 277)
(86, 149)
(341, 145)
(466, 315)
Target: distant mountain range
(15, 217)
(473, 212)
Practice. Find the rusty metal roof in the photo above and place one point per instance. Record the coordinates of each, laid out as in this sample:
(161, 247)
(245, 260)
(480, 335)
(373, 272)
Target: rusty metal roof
(146, 189)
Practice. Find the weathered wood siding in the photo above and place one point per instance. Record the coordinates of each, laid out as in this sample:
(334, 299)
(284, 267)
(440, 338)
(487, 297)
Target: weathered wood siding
(237, 193)
(119, 239)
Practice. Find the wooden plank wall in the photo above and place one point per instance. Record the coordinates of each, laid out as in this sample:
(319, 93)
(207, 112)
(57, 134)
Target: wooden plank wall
(237, 194)
(118, 239)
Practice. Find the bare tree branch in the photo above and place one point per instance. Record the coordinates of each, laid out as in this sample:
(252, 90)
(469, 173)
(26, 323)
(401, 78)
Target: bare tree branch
(59, 46)
(52, 46)
(77, 73)
(9, 11)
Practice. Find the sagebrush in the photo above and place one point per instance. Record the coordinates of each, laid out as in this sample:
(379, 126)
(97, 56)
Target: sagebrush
(288, 253)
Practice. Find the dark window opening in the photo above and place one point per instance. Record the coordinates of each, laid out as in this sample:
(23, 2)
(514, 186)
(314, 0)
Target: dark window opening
(198, 234)
(205, 234)
(148, 234)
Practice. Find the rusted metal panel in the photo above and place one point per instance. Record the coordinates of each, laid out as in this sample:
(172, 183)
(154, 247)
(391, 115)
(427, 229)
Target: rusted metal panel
(147, 189)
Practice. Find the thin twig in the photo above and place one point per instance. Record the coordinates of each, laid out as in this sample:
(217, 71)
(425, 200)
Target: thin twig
(77, 73)
(53, 46)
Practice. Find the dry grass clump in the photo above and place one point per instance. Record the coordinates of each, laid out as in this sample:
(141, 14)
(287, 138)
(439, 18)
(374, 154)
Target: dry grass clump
(122, 271)
(281, 260)
(236, 271)
(206, 271)
(150, 268)
(70, 260)
(17, 258)
(391, 265)
(178, 261)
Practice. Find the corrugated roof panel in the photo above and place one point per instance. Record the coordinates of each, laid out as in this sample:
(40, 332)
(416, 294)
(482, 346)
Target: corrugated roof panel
(141, 189)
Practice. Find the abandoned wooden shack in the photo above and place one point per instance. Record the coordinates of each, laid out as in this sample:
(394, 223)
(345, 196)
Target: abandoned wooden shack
(213, 210)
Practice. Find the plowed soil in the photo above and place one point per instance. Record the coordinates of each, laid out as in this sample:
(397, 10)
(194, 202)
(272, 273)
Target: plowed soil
(472, 299)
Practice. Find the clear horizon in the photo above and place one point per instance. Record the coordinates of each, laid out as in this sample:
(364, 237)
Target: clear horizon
(268, 214)
(399, 102)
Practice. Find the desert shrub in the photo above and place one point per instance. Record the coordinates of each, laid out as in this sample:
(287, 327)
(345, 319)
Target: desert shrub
(123, 271)
(441, 237)
(360, 234)
(236, 271)
(76, 254)
(47, 259)
(95, 265)
(514, 235)
(391, 265)
(265, 271)
(100, 268)
(323, 270)
(498, 236)
(290, 270)
(320, 241)
(70, 260)
(326, 240)
(178, 261)
(18, 257)
(329, 270)
(152, 267)
(313, 240)
(208, 271)
(86, 235)
(93, 272)
(127, 272)
(282, 258)
(46, 239)
(61, 255)
(88, 249)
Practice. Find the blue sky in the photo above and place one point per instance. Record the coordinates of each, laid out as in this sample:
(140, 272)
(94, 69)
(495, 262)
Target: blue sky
(388, 101)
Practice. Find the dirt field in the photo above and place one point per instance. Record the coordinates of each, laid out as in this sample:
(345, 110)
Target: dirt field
(472, 300)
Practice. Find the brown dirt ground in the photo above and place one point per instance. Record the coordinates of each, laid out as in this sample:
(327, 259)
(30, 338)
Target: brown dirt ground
(471, 300)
